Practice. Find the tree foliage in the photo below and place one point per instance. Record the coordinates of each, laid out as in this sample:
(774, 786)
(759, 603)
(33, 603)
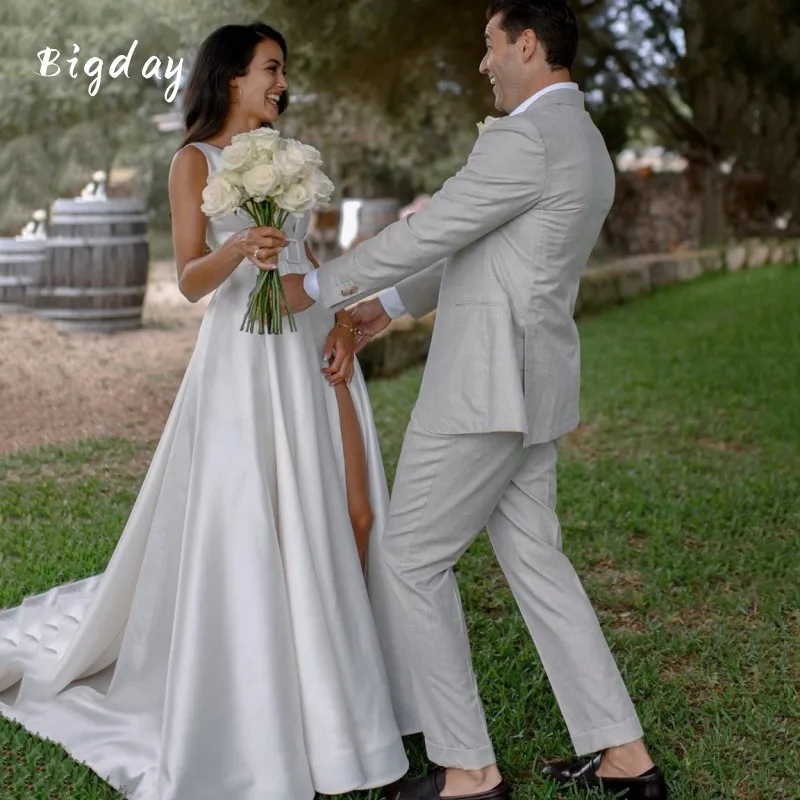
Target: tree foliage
(398, 85)
(394, 91)
(719, 83)
(53, 132)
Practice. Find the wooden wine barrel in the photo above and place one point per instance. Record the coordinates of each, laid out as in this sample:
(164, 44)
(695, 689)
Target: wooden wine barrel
(323, 235)
(374, 216)
(95, 273)
(21, 263)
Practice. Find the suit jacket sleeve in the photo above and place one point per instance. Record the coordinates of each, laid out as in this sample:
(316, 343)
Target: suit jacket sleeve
(503, 178)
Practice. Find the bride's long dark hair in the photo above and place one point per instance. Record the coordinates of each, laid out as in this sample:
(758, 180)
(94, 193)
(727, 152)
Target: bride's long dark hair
(226, 54)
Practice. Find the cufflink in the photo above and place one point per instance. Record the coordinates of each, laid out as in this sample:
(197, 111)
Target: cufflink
(348, 291)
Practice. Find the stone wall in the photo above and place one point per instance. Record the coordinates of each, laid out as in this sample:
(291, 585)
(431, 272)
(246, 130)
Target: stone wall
(405, 342)
(658, 212)
(652, 213)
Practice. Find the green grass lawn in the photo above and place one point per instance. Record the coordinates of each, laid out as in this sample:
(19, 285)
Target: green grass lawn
(680, 505)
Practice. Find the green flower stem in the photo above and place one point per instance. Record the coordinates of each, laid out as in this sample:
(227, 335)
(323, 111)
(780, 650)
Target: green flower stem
(264, 303)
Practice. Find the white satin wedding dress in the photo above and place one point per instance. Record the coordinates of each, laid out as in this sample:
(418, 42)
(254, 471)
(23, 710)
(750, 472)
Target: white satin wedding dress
(231, 650)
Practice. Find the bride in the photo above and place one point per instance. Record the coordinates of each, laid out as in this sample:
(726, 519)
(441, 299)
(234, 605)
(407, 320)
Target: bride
(233, 649)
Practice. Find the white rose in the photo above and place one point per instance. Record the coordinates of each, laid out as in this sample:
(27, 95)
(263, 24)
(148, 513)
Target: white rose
(236, 155)
(40, 215)
(98, 176)
(261, 180)
(320, 186)
(219, 198)
(485, 124)
(265, 140)
(297, 199)
(230, 176)
(293, 158)
(313, 157)
(262, 155)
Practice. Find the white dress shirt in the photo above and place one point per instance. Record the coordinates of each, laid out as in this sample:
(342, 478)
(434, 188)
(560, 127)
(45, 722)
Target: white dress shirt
(390, 298)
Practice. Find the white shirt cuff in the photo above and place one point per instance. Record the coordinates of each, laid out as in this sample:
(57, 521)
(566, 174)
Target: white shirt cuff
(391, 302)
(311, 285)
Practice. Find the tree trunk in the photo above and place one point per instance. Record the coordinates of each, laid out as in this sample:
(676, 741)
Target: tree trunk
(708, 187)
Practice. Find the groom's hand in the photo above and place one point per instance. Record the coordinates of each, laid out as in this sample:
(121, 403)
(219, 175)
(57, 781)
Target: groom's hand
(370, 318)
(296, 297)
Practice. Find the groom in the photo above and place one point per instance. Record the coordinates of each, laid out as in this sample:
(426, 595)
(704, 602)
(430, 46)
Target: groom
(498, 252)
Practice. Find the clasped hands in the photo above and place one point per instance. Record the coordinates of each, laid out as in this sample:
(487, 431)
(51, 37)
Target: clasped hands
(369, 317)
(352, 331)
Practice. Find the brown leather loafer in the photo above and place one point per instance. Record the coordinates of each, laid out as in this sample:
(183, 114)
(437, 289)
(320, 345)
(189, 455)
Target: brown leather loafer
(583, 774)
(430, 788)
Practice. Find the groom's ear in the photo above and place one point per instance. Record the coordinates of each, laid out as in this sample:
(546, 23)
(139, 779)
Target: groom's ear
(528, 44)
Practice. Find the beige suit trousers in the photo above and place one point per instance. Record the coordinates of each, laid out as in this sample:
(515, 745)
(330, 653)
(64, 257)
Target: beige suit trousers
(447, 488)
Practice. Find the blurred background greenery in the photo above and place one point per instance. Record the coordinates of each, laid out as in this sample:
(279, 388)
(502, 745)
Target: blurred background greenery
(390, 92)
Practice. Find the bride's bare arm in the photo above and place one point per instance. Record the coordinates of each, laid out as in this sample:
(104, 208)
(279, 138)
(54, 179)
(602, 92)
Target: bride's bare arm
(341, 342)
(201, 272)
(355, 459)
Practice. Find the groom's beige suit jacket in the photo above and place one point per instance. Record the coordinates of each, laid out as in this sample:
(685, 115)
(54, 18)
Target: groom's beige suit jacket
(498, 252)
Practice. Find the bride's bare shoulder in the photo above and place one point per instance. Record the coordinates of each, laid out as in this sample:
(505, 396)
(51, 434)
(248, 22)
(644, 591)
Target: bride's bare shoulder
(188, 172)
(189, 162)
(188, 155)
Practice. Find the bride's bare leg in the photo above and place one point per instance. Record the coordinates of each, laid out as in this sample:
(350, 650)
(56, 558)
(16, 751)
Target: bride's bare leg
(355, 464)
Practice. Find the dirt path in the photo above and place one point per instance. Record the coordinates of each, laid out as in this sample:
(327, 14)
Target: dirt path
(55, 388)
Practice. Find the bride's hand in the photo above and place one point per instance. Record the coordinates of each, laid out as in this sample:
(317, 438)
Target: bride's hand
(260, 245)
(340, 344)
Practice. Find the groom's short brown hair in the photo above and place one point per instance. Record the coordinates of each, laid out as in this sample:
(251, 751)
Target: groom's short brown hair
(553, 22)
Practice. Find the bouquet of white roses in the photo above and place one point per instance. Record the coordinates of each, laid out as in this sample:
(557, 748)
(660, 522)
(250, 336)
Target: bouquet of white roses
(269, 178)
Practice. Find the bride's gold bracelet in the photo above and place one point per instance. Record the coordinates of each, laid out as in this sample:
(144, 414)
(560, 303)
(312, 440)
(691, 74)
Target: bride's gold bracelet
(350, 328)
